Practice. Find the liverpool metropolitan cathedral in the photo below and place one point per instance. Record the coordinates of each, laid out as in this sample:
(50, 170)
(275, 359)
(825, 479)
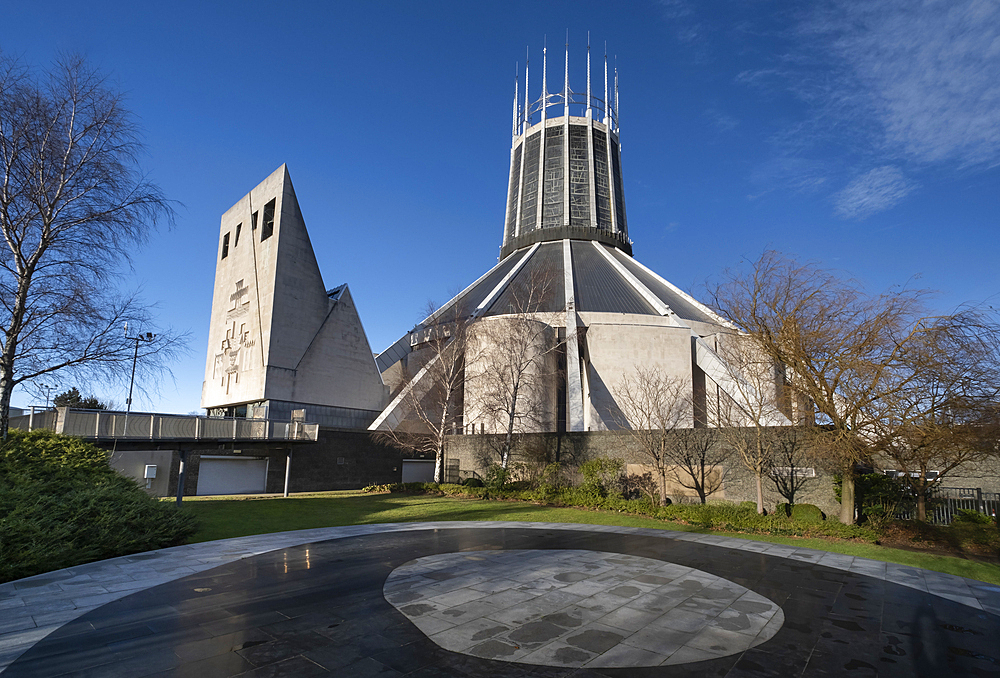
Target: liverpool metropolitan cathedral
(281, 341)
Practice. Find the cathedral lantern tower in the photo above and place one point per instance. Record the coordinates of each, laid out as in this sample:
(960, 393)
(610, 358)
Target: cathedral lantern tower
(565, 166)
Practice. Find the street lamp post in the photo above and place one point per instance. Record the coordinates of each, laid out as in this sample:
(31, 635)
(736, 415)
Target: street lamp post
(48, 389)
(149, 336)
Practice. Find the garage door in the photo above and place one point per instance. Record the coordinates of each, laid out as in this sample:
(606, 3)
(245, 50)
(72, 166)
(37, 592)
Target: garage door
(232, 475)
(418, 471)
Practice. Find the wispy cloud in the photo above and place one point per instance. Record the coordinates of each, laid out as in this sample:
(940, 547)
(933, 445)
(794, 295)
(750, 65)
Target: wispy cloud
(891, 89)
(759, 76)
(722, 121)
(872, 192)
(685, 28)
(674, 9)
(788, 173)
(929, 71)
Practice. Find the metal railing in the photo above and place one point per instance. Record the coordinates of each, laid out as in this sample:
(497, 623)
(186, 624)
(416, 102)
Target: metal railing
(946, 502)
(110, 425)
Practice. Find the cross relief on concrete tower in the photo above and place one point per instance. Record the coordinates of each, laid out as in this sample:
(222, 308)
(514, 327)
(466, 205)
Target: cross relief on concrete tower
(234, 354)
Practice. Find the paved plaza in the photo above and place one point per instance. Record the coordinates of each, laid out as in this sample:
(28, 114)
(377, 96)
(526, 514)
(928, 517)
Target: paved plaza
(496, 599)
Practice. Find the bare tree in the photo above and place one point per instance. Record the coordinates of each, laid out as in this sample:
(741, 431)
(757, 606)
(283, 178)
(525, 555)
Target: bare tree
(947, 416)
(789, 472)
(657, 419)
(73, 208)
(747, 415)
(434, 398)
(515, 352)
(840, 347)
(699, 460)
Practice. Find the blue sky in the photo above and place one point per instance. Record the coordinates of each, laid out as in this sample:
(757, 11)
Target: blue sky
(865, 136)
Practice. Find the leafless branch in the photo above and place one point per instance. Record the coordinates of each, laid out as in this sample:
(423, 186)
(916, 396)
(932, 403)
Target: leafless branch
(74, 208)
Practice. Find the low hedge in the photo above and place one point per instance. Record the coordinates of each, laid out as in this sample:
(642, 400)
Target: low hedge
(807, 512)
(721, 516)
(61, 504)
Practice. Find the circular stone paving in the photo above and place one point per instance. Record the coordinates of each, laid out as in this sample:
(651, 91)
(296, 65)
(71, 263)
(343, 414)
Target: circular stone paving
(578, 608)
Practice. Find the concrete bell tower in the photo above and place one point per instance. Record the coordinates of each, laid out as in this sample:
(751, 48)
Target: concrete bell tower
(279, 340)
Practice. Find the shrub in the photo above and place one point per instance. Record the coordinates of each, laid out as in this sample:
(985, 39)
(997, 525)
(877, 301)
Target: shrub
(970, 516)
(497, 477)
(418, 487)
(725, 516)
(387, 487)
(807, 512)
(975, 533)
(473, 482)
(61, 504)
(599, 474)
(635, 486)
(878, 498)
(551, 475)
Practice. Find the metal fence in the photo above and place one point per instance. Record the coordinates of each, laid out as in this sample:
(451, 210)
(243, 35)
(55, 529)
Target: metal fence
(103, 424)
(945, 503)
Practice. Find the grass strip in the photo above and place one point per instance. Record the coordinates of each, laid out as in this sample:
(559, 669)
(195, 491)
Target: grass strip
(225, 517)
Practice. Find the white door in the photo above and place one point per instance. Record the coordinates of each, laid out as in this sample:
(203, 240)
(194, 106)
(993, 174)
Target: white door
(232, 475)
(418, 471)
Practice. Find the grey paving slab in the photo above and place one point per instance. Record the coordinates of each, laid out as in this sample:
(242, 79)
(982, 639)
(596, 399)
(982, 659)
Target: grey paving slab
(625, 655)
(44, 596)
(574, 629)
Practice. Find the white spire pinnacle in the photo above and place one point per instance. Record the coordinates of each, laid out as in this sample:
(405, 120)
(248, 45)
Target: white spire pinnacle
(513, 115)
(590, 113)
(526, 104)
(607, 104)
(616, 93)
(545, 80)
(566, 79)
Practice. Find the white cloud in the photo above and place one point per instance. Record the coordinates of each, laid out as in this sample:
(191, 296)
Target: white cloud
(788, 173)
(874, 191)
(722, 121)
(674, 9)
(930, 72)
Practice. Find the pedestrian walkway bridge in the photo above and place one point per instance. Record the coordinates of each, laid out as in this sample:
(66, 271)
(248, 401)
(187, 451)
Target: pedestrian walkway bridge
(100, 425)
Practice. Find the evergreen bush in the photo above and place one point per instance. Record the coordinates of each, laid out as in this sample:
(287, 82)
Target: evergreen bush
(61, 504)
(974, 517)
(600, 474)
(807, 512)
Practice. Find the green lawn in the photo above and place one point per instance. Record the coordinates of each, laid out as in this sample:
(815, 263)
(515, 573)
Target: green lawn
(224, 517)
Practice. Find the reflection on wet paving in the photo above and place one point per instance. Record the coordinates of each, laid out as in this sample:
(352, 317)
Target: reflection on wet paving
(285, 614)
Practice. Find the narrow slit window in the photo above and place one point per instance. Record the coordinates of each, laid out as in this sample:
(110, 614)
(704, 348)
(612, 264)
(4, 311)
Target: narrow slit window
(225, 246)
(236, 240)
(253, 221)
(267, 227)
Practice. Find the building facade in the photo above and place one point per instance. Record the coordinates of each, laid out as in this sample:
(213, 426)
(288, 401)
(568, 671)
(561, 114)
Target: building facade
(279, 340)
(602, 315)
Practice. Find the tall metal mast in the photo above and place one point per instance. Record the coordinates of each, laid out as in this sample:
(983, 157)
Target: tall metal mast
(566, 79)
(607, 105)
(590, 113)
